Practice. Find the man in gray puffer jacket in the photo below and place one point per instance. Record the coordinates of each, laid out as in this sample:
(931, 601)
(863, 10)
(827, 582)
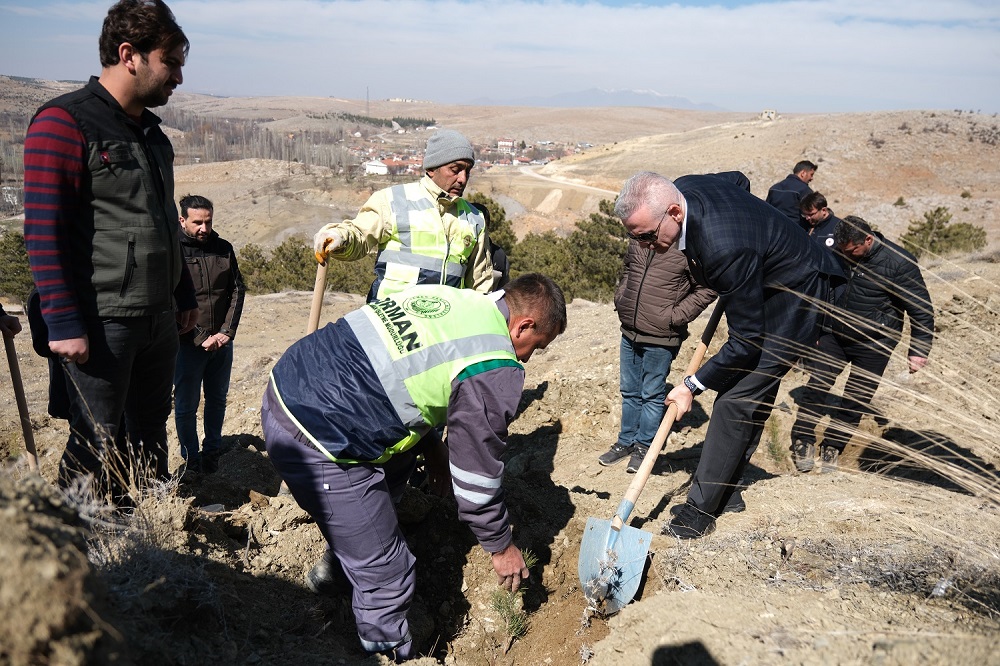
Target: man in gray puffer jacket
(656, 298)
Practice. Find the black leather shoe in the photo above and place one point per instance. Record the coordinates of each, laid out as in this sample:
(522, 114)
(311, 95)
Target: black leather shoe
(736, 504)
(689, 522)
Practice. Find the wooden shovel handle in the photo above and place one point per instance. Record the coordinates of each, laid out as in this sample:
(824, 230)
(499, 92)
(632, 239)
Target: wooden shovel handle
(22, 403)
(319, 290)
(646, 468)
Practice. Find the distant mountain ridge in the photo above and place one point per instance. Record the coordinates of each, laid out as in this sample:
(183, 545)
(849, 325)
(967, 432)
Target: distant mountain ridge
(602, 97)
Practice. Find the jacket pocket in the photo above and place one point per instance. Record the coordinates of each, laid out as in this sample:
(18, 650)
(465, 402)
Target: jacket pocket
(130, 265)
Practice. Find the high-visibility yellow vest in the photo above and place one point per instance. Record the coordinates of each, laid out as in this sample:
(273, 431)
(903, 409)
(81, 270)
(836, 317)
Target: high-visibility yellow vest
(420, 249)
(418, 342)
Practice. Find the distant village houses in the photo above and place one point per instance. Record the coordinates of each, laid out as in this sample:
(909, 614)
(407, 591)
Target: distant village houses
(376, 168)
(506, 146)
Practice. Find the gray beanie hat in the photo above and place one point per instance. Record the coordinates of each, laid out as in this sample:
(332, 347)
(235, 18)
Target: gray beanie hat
(446, 146)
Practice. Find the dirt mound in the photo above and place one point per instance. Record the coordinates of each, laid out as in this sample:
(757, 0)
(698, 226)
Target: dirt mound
(50, 598)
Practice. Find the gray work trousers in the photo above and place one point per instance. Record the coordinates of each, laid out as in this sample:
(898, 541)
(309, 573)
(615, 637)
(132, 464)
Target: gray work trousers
(353, 505)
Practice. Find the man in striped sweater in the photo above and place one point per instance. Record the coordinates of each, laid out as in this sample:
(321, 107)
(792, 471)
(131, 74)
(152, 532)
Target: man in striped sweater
(101, 233)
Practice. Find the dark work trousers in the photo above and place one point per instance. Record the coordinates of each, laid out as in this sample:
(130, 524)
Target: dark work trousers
(130, 372)
(738, 414)
(868, 360)
(354, 507)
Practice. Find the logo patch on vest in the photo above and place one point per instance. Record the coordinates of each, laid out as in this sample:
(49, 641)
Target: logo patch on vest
(427, 307)
(469, 241)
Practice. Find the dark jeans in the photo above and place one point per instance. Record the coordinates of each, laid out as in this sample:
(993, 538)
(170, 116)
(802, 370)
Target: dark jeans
(868, 360)
(196, 368)
(643, 383)
(130, 372)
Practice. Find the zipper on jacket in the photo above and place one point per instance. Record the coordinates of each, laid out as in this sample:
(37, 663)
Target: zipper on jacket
(638, 291)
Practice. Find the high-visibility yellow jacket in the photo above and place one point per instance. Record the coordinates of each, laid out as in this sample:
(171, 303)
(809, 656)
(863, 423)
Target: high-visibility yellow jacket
(422, 236)
(387, 370)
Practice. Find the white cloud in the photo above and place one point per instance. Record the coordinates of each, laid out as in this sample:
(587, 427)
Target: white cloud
(796, 56)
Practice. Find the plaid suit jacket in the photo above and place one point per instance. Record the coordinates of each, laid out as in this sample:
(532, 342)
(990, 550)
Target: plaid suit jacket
(748, 252)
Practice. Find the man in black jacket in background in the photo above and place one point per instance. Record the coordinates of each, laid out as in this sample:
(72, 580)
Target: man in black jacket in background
(205, 356)
(884, 282)
(787, 194)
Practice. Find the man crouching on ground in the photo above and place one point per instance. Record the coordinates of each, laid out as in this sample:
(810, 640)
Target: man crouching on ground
(346, 405)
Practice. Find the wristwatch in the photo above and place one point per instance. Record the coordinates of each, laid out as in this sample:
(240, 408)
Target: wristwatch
(691, 385)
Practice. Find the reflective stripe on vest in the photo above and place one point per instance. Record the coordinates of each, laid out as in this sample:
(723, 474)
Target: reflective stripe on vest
(419, 250)
(403, 344)
(419, 340)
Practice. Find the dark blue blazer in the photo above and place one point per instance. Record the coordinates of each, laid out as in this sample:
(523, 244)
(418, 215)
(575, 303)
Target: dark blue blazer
(785, 195)
(748, 252)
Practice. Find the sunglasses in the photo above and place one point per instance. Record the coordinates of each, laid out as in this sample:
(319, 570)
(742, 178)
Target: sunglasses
(647, 236)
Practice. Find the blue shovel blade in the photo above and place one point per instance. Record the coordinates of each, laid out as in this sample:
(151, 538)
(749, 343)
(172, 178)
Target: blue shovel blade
(611, 564)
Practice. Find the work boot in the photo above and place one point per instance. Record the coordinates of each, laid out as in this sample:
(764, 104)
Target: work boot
(638, 455)
(689, 522)
(830, 456)
(327, 576)
(192, 468)
(210, 462)
(615, 454)
(804, 455)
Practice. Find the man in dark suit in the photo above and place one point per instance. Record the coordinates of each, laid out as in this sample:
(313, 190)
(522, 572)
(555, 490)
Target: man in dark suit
(787, 194)
(773, 282)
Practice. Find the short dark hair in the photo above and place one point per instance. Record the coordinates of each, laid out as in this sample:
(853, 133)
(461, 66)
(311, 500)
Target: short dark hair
(812, 200)
(804, 165)
(538, 295)
(145, 24)
(852, 230)
(195, 201)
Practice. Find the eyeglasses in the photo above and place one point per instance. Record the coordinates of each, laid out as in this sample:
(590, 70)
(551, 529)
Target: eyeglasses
(647, 236)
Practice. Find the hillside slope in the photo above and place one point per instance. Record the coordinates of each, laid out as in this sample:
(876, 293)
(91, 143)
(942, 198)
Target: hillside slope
(894, 559)
(868, 162)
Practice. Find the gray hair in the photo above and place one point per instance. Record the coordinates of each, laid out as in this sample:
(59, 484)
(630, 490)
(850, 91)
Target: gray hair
(646, 188)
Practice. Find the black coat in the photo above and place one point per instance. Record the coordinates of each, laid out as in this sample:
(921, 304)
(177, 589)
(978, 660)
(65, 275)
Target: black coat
(785, 195)
(748, 252)
(881, 286)
(822, 233)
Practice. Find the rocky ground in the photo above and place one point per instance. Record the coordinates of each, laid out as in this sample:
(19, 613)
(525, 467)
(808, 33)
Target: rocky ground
(891, 560)
(894, 559)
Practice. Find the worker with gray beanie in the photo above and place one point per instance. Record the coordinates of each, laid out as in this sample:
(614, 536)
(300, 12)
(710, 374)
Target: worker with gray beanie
(423, 232)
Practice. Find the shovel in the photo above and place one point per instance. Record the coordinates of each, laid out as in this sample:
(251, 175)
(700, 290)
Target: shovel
(612, 554)
(319, 290)
(22, 403)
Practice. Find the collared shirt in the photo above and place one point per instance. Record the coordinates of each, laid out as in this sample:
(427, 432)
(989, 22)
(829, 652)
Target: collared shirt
(682, 241)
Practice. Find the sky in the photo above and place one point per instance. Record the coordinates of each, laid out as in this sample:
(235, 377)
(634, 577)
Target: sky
(792, 56)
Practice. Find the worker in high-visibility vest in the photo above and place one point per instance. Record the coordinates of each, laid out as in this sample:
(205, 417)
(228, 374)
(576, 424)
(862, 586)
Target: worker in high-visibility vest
(424, 232)
(346, 406)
